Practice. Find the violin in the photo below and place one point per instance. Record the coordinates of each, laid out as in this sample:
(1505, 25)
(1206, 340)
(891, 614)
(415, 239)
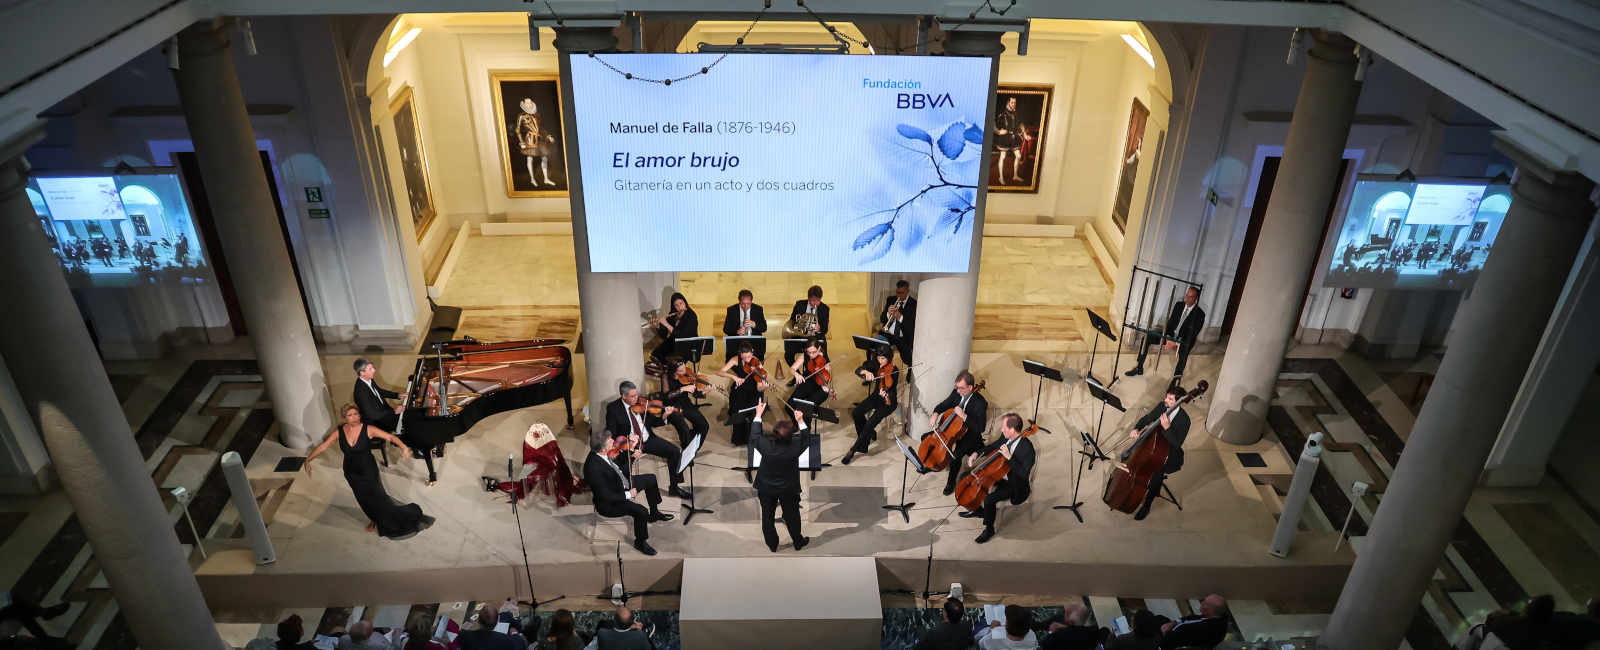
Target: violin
(975, 486)
(1130, 480)
(648, 407)
(885, 381)
(817, 366)
(753, 368)
(686, 375)
(937, 449)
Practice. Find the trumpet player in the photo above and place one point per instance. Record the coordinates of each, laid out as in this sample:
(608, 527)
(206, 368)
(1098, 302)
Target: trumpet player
(745, 318)
(816, 325)
(898, 320)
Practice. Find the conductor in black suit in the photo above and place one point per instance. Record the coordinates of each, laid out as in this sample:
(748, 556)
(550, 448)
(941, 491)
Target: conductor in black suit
(607, 472)
(811, 305)
(971, 405)
(745, 318)
(898, 319)
(1015, 487)
(1175, 430)
(621, 419)
(778, 479)
(1183, 323)
(370, 398)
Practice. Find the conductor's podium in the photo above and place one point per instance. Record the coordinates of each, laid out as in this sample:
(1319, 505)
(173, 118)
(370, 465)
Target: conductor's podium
(780, 603)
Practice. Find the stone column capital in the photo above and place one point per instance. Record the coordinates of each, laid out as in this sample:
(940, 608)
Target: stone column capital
(13, 168)
(203, 39)
(585, 39)
(1539, 182)
(1332, 47)
(973, 42)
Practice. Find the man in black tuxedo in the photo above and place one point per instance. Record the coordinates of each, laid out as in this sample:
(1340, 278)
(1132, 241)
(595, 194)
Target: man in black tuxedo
(1183, 323)
(1174, 429)
(620, 419)
(898, 319)
(951, 633)
(811, 305)
(745, 318)
(606, 471)
(1016, 486)
(975, 409)
(778, 479)
(370, 398)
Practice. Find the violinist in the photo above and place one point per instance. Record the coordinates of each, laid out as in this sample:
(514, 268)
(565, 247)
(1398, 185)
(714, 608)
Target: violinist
(621, 417)
(879, 371)
(1015, 487)
(745, 318)
(813, 306)
(970, 405)
(679, 323)
(681, 384)
(816, 370)
(749, 379)
(607, 471)
(1175, 430)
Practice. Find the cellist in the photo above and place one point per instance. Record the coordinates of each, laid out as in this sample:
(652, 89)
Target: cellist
(970, 405)
(878, 371)
(1174, 430)
(1015, 487)
(810, 365)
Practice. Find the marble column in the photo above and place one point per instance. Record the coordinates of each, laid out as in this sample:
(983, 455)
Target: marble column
(946, 301)
(608, 302)
(252, 239)
(1471, 395)
(80, 419)
(1281, 268)
(1555, 382)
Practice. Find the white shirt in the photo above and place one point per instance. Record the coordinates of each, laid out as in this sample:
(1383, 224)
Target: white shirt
(618, 470)
(1185, 316)
(644, 431)
(810, 308)
(374, 388)
(374, 642)
(894, 323)
(744, 316)
(989, 642)
(963, 402)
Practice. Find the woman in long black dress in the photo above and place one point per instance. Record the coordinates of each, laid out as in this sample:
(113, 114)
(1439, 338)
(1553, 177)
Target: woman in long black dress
(680, 323)
(745, 393)
(390, 519)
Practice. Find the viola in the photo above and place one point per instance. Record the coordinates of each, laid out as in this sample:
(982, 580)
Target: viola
(1130, 480)
(753, 368)
(975, 486)
(936, 448)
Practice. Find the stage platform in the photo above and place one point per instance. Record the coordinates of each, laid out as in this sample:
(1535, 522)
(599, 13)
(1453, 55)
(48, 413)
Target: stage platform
(1217, 542)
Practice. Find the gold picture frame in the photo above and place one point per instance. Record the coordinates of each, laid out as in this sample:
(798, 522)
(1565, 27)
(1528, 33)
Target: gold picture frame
(413, 160)
(532, 153)
(1026, 155)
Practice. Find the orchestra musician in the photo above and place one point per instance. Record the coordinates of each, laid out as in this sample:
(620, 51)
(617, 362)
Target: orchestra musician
(370, 400)
(1015, 487)
(1175, 430)
(777, 481)
(1183, 323)
(746, 390)
(686, 419)
(680, 323)
(812, 305)
(745, 318)
(972, 407)
(813, 389)
(880, 402)
(622, 418)
(898, 320)
(607, 472)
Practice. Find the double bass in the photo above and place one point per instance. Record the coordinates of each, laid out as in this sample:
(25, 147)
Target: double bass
(1130, 480)
(975, 486)
(936, 450)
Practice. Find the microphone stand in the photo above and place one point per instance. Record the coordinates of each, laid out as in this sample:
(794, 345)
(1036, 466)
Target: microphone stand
(533, 598)
(620, 593)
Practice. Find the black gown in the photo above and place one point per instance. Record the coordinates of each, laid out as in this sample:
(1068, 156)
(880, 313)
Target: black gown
(361, 471)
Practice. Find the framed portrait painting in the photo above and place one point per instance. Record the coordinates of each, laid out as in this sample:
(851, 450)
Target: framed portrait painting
(1132, 151)
(527, 111)
(413, 160)
(1022, 111)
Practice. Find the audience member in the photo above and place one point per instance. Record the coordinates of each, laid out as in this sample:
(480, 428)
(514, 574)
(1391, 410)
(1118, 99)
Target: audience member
(950, 633)
(1204, 630)
(290, 631)
(18, 613)
(563, 633)
(360, 637)
(624, 633)
(485, 637)
(1146, 634)
(1072, 631)
(1018, 632)
(419, 634)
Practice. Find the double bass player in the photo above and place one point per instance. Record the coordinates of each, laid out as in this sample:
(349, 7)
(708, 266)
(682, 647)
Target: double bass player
(1175, 429)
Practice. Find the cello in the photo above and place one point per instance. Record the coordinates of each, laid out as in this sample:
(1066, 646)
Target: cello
(1130, 480)
(937, 448)
(975, 486)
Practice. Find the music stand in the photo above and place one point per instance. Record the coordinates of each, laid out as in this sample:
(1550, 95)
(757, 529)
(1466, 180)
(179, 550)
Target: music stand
(867, 343)
(1106, 397)
(1101, 328)
(910, 459)
(793, 347)
(1043, 372)
(687, 463)
(758, 343)
(1077, 481)
(691, 349)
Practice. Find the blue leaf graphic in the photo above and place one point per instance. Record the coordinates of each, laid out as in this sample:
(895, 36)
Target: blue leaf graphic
(974, 134)
(915, 233)
(956, 209)
(879, 238)
(951, 143)
(914, 133)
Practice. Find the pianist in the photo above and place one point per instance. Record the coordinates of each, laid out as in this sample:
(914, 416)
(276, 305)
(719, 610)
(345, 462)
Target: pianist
(371, 401)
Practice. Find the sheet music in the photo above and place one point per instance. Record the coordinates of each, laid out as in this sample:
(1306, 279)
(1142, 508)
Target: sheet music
(996, 614)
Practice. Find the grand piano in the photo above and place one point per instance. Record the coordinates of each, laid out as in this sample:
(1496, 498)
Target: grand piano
(479, 380)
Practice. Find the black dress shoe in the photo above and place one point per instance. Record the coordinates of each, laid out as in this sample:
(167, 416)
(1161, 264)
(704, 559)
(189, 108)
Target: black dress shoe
(969, 514)
(416, 454)
(774, 549)
(949, 489)
(644, 547)
(660, 516)
(438, 452)
(800, 545)
(680, 493)
(1135, 372)
(849, 456)
(988, 534)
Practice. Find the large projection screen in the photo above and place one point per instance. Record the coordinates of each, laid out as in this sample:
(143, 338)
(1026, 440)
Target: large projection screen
(780, 162)
(113, 229)
(1429, 234)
